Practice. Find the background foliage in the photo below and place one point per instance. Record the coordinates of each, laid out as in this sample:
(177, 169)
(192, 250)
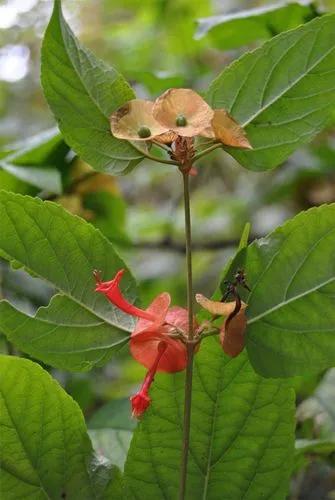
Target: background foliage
(157, 44)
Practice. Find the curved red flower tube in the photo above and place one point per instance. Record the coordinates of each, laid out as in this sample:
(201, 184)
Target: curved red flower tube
(151, 343)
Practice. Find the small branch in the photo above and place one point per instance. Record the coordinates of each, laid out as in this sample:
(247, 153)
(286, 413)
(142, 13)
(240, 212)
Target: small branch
(205, 144)
(151, 157)
(209, 334)
(175, 246)
(206, 151)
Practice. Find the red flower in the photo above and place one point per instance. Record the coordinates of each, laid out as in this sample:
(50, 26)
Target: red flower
(151, 343)
(147, 336)
(155, 324)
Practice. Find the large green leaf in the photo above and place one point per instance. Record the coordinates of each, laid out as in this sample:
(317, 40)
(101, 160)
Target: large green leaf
(228, 31)
(282, 92)
(79, 328)
(34, 160)
(82, 92)
(291, 313)
(241, 434)
(45, 446)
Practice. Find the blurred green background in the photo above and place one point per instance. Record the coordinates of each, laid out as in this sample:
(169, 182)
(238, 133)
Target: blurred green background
(159, 44)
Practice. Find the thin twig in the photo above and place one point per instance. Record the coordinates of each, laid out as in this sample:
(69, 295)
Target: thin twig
(205, 143)
(179, 247)
(154, 158)
(206, 151)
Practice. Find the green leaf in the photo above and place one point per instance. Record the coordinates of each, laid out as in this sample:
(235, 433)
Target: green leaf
(112, 444)
(45, 446)
(307, 448)
(229, 31)
(79, 328)
(291, 314)
(241, 434)
(47, 147)
(106, 479)
(43, 178)
(314, 446)
(244, 236)
(321, 407)
(282, 92)
(115, 415)
(111, 429)
(234, 264)
(34, 160)
(82, 92)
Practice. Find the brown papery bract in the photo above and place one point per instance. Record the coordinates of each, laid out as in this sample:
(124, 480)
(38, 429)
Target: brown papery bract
(135, 122)
(226, 130)
(232, 334)
(178, 106)
(215, 307)
(167, 137)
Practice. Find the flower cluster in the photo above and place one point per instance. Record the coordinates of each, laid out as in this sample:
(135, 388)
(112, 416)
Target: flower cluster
(176, 113)
(155, 341)
(160, 337)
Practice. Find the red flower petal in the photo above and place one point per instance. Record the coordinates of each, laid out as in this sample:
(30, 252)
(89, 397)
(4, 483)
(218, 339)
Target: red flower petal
(158, 310)
(178, 317)
(144, 347)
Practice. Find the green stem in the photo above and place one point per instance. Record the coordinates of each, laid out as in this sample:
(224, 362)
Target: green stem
(210, 334)
(190, 346)
(208, 150)
(151, 157)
